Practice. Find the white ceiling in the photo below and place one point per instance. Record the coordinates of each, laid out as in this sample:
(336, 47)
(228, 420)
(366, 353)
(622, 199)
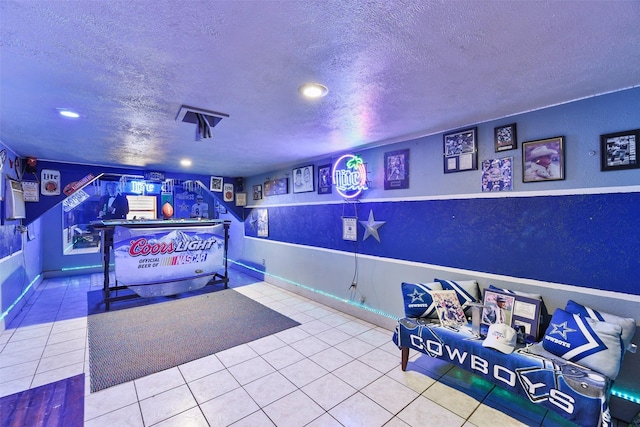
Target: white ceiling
(395, 70)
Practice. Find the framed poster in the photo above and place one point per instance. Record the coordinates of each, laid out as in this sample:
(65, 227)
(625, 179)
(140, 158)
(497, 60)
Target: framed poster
(448, 308)
(498, 307)
(619, 150)
(31, 191)
(303, 179)
(522, 312)
(324, 179)
(228, 192)
(497, 174)
(460, 150)
(216, 184)
(350, 228)
(276, 186)
(543, 160)
(396, 169)
(257, 192)
(263, 223)
(505, 137)
(49, 182)
(241, 199)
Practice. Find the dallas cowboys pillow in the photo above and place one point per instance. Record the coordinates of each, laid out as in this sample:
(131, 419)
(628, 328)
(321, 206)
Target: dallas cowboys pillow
(467, 291)
(417, 300)
(627, 324)
(509, 291)
(585, 341)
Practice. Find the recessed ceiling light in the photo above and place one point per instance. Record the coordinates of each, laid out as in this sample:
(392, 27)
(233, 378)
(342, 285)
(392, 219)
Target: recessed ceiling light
(68, 113)
(313, 90)
(185, 162)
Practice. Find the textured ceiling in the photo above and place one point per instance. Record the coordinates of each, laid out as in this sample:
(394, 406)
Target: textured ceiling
(395, 71)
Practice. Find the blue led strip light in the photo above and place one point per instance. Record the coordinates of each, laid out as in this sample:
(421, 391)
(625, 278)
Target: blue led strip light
(326, 294)
(83, 267)
(6, 312)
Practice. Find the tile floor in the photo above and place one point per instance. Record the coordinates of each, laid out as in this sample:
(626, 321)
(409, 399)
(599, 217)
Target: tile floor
(332, 370)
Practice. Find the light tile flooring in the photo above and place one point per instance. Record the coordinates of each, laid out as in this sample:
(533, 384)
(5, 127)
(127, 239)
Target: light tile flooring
(332, 370)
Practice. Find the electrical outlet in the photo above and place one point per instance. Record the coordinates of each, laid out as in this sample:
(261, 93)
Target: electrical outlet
(263, 262)
(362, 299)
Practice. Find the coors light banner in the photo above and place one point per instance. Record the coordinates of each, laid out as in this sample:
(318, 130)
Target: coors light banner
(156, 255)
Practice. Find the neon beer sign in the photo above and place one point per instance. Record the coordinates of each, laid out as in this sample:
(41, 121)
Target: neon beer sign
(349, 176)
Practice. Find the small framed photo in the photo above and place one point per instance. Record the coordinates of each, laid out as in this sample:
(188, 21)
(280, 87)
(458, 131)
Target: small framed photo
(216, 184)
(460, 150)
(543, 160)
(324, 179)
(448, 308)
(241, 199)
(505, 137)
(620, 150)
(396, 169)
(497, 174)
(276, 186)
(524, 311)
(257, 192)
(263, 222)
(303, 179)
(498, 307)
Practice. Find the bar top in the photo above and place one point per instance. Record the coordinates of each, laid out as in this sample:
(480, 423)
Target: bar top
(155, 223)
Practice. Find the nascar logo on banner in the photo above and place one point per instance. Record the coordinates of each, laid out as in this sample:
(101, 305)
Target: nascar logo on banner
(156, 255)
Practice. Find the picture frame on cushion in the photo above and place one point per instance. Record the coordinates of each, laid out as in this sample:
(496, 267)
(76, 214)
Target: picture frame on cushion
(467, 291)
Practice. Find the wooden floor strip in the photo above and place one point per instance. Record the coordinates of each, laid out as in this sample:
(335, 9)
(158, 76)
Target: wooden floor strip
(56, 404)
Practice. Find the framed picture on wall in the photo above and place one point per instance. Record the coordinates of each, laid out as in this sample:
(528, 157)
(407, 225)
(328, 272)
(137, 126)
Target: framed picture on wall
(303, 179)
(215, 184)
(619, 150)
(396, 169)
(543, 160)
(497, 174)
(277, 186)
(460, 150)
(257, 192)
(324, 179)
(505, 137)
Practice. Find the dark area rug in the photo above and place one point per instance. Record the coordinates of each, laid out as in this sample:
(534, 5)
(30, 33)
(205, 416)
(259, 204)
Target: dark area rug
(56, 404)
(138, 341)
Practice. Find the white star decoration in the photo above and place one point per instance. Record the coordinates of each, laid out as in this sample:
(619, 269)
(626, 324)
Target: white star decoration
(416, 296)
(371, 227)
(561, 329)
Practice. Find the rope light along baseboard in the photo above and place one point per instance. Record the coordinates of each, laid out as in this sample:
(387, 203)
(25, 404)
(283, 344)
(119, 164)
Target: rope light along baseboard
(326, 294)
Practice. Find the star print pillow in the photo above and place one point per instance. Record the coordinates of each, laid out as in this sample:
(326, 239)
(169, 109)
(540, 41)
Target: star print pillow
(418, 301)
(585, 341)
(627, 324)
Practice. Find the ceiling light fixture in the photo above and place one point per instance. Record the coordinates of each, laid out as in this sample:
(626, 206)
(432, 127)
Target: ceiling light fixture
(185, 162)
(68, 113)
(313, 90)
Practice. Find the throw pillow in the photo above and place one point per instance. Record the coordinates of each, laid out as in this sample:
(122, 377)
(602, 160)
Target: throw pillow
(627, 324)
(585, 341)
(467, 291)
(418, 301)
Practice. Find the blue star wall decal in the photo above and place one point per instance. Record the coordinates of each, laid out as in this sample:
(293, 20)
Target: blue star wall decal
(371, 227)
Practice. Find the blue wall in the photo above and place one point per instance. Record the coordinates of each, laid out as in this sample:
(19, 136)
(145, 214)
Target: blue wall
(580, 232)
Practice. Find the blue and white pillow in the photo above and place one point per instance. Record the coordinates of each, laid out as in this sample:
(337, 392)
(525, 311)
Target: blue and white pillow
(627, 324)
(585, 341)
(509, 291)
(466, 290)
(418, 301)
